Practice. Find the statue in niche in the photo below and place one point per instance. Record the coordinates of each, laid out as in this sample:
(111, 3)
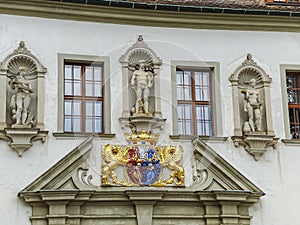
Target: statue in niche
(253, 105)
(21, 100)
(141, 82)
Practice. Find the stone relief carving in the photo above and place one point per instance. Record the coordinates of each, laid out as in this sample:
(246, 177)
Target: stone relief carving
(253, 127)
(22, 82)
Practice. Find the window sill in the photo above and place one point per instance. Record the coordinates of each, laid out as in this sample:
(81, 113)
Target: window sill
(204, 138)
(291, 141)
(81, 135)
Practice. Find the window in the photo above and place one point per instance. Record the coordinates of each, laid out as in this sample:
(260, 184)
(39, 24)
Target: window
(83, 95)
(83, 98)
(194, 101)
(293, 96)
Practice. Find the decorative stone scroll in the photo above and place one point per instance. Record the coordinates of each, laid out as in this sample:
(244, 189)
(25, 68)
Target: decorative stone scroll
(142, 163)
(253, 127)
(22, 99)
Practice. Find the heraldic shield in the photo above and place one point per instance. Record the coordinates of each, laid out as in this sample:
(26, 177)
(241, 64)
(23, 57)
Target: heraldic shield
(142, 163)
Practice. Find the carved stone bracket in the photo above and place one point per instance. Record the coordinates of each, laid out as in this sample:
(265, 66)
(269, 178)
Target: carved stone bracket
(255, 144)
(20, 139)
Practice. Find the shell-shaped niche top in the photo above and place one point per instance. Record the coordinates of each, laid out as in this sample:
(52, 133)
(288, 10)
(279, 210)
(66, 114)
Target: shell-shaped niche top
(23, 63)
(140, 51)
(249, 70)
(22, 60)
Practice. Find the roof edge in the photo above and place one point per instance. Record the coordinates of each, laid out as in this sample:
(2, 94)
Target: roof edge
(144, 17)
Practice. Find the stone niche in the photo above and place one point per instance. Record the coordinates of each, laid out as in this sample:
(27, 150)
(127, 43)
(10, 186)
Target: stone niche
(253, 127)
(140, 80)
(22, 99)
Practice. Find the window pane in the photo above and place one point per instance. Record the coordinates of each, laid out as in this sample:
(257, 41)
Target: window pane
(77, 88)
(180, 127)
(179, 77)
(187, 93)
(89, 88)
(188, 127)
(88, 73)
(206, 94)
(89, 108)
(187, 77)
(77, 72)
(98, 125)
(98, 73)
(77, 124)
(98, 109)
(68, 71)
(98, 89)
(68, 124)
(68, 107)
(180, 93)
(89, 124)
(188, 111)
(205, 78)
(77, 108)
(68, 87)
(180, 111)
(197, 77)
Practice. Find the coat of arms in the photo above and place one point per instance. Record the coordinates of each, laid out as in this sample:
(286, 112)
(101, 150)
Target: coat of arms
(142, 163)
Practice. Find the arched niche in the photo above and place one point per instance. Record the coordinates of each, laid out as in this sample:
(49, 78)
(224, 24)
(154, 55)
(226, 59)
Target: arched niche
(130, 60)
(35, 73)
(253, 127)
(22, 99)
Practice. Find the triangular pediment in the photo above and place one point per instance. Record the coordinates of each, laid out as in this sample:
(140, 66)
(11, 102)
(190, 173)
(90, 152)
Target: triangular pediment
(213, 173)
(64, 174)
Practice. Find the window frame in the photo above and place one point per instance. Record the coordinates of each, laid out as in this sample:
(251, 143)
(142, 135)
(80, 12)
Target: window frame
(83, 98)
(215, 94)
(284, 68)
(84, 59)
(193, 101)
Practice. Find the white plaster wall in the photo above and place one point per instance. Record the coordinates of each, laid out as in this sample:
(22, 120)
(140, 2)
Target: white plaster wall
(275, 172)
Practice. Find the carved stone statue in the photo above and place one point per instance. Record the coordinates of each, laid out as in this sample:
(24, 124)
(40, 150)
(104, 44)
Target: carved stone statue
(253, 105)
(141, 82)
(21, 100)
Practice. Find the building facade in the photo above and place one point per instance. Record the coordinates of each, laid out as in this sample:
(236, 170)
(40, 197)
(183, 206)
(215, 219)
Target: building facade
(149, 112)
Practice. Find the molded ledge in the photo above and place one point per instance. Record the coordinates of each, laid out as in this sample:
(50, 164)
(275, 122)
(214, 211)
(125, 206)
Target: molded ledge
(291, 141)
(204, 138)
(81, 135)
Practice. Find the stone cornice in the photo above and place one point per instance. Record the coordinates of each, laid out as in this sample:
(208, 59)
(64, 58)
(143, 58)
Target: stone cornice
(116, 15)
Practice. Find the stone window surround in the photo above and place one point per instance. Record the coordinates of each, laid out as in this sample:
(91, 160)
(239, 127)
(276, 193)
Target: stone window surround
(106, 76)
(216, 94)
(283, 69)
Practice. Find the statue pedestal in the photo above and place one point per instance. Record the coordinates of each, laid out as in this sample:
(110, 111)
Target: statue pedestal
(142, 123)
(256, 143)
(20, 139)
